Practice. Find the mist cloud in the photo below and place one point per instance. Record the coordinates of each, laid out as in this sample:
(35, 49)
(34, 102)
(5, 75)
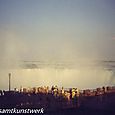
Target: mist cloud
(49, 62)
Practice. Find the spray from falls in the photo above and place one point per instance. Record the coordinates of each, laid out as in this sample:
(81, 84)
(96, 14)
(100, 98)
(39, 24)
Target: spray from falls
(64, 68)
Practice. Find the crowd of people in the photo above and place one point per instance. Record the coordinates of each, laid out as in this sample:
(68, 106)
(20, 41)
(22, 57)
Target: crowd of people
(53, 97)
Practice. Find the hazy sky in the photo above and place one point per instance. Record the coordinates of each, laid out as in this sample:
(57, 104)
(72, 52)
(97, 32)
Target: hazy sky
(56, 30)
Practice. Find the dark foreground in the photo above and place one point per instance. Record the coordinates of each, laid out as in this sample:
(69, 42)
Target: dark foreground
(99, 104)
(81, 111)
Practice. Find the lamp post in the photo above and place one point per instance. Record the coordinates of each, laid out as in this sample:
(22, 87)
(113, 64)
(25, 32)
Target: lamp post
(9, 81)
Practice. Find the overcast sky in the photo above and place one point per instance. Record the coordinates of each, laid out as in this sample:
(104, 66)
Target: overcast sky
(56, 30)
